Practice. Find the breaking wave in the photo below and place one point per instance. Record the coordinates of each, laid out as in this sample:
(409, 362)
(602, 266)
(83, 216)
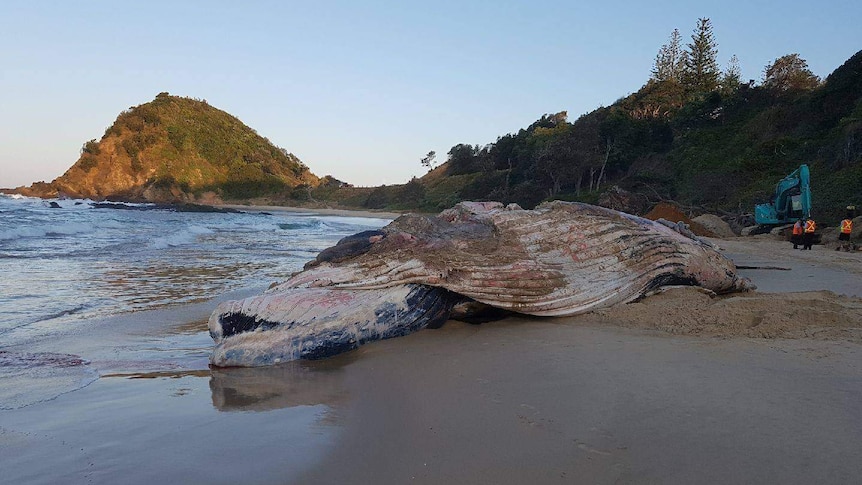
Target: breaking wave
(41, 231)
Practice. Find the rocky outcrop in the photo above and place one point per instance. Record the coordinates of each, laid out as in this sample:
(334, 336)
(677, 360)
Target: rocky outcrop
(619, 199)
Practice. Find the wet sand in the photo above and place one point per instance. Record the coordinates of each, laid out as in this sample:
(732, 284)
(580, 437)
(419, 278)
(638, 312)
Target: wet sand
(546, 402)
(596, 398)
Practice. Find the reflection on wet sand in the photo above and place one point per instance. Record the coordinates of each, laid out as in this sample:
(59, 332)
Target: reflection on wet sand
(300, 383)
(170, 374)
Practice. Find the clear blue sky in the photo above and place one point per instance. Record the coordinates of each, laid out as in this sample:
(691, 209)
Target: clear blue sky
(362, 90)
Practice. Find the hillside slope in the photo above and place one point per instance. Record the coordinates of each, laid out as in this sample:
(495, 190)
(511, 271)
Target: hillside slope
(722, 150)
(176, 149)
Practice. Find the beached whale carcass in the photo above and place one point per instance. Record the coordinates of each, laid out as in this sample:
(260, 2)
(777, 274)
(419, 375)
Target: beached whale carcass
(558, 259)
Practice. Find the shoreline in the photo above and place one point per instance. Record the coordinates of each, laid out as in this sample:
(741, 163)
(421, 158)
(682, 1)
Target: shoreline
(257, 208)
(317, 211)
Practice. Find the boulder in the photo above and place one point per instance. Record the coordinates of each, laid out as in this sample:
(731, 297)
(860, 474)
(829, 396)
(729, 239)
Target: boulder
(715, 224)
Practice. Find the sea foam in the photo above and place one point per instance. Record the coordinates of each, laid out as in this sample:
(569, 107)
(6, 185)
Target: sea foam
(46, 230)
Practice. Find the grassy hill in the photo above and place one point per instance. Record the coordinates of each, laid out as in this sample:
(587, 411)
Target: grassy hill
(179, 149)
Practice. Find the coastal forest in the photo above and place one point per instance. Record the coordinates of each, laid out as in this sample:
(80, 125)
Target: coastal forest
(695, 133)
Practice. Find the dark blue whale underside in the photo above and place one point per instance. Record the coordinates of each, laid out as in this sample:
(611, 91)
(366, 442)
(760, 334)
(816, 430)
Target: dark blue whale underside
(328, 335)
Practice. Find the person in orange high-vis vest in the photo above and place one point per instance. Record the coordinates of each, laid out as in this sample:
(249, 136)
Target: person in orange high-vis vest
(808, 234)
(796, 237)
(844, 235)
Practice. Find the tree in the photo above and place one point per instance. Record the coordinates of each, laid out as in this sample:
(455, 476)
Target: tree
(552, 154)
(732, 76)
(670, 60)
(411, 194)
(462, 159)
(789, 73)
(701, 67)
(428, 160)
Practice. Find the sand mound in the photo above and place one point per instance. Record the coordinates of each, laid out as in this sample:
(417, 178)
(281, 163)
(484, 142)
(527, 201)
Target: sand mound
(689, 311)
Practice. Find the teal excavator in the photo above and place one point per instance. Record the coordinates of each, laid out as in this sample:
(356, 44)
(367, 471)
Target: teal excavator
(791, 201)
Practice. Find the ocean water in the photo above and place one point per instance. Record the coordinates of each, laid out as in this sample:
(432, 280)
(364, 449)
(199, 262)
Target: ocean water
(88, 292)
(61, 265)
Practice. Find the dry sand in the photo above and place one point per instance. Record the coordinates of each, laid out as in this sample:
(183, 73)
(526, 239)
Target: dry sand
(801, 294)
(679, 388)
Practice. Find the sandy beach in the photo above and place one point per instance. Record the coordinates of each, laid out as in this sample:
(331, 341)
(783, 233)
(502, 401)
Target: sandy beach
(678, 388)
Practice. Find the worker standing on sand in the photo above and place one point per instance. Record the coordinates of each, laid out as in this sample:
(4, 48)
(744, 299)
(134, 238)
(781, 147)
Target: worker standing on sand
(808, 234)
(796, 237)
(846, 229)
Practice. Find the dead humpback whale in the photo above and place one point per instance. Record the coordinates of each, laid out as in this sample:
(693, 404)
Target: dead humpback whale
(562, 258)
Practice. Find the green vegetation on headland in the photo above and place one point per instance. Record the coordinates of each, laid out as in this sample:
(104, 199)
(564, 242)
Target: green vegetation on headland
(176, 149)
(693, 134)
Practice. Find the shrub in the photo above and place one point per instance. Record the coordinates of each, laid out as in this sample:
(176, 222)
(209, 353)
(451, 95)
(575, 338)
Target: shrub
(176, 137)
(87, 162)
(91, 147)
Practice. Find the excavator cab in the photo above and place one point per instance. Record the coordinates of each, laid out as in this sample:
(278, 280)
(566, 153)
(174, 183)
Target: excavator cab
(790, 202)
(794, 209)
